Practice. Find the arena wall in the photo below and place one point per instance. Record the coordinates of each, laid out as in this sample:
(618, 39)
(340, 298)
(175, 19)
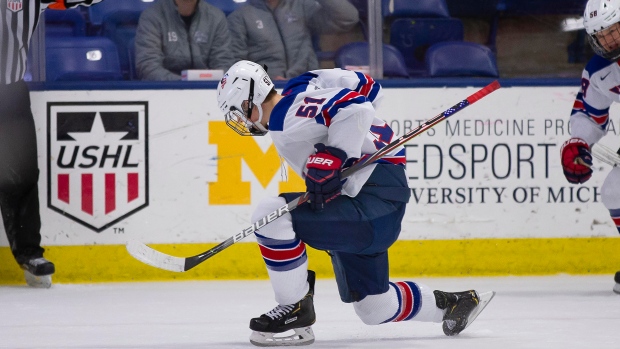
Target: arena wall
(488, 193)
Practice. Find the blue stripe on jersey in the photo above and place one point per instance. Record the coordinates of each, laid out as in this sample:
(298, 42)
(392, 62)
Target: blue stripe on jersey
(342, 99)
(372, 94)
(278, 114)
(588, 108)
(298, 84)
(593, 111)
(597, 63)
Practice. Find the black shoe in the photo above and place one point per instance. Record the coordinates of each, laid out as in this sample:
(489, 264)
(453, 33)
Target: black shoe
(297, 316)
(459, 306)
(38, 266)
(37, 271)
(617, 280)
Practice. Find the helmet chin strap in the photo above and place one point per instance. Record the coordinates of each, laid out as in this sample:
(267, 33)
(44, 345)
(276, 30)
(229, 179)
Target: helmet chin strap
(259, 123)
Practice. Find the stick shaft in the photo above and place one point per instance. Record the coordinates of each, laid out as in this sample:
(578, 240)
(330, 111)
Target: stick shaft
(193, 261)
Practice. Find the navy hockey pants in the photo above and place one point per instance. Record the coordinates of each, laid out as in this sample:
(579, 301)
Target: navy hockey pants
(357, 232)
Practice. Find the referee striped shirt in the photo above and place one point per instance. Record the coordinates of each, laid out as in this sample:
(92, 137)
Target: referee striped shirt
(18, 20)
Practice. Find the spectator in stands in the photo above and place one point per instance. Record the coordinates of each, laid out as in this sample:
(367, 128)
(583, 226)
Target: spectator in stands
(176, 35)
(278, 33)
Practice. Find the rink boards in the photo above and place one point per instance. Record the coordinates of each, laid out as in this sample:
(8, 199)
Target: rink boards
(160, 166)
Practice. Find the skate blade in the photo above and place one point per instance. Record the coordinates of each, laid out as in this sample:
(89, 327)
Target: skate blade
(302, 336)
(483, 301)
(43, 281)
(617, 288)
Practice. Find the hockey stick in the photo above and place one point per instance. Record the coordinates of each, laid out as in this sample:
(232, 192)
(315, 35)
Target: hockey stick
(161, 260)
(606, 155)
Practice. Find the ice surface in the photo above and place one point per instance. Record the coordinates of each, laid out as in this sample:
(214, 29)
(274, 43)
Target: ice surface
(527, 312)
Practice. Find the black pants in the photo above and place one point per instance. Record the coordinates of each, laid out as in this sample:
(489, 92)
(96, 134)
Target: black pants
(19, 172)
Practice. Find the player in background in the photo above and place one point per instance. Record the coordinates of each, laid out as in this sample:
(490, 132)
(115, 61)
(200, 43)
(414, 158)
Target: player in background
(323, 122)
(600, 87)
(19, 172)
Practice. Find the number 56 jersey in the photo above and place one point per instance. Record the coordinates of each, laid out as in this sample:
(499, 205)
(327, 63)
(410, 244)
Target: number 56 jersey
(337, 108)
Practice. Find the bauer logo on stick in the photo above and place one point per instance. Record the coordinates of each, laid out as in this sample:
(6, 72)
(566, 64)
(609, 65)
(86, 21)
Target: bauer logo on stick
(97, 161)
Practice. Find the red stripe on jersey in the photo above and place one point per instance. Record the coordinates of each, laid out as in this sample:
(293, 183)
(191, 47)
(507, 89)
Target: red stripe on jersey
(578, 105)
(600, 119)
(283, 255)
(327, 116)
(398, 160)
(365, 90)
(616, 221)
(406, 305)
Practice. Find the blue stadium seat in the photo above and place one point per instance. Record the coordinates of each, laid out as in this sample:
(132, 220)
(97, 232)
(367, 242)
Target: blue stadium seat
(415, 8)
(98, 14)
(474, 8)
(227, 6)
(459, 58)
(118, 20)
(356, 53)
(413, 36)
(121, 28)
(69, 22)
(486, 10)
(547, 7)
(81, 58)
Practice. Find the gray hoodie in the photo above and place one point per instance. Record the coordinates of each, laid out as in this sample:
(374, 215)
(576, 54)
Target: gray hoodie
(164, 47)
(282, 39)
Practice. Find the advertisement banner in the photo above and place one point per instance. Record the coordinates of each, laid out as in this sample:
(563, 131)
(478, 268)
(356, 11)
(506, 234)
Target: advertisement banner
(161, 166)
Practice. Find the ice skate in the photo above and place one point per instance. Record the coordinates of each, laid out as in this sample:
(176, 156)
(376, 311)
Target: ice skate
(617, 280)
(38, 272)
(462, 308)
(297, 317)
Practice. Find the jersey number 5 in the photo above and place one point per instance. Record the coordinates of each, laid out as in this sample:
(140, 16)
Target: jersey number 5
(309, 111)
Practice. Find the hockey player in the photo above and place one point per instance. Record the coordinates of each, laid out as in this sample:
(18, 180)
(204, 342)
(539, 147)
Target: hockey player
(600, 87)
(323, 122)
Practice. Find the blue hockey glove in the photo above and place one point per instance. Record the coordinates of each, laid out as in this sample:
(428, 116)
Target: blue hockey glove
(576, 160)
(323, 175)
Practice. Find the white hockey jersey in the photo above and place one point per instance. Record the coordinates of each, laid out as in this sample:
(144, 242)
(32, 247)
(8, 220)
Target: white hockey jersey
(600, 87)
(337, 108)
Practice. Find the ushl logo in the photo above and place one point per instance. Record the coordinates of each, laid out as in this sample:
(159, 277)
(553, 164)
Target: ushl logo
(97, 163)
(14, 5)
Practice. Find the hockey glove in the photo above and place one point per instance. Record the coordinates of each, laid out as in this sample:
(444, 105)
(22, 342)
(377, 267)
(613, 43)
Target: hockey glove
(323, 175)
(576, 160)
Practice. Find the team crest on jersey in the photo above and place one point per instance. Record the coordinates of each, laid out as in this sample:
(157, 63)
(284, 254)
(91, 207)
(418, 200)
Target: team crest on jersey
(15, 5)
(97, 161)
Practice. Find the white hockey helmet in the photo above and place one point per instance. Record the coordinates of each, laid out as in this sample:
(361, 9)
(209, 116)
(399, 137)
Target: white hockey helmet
(245, 84)
(599, 16)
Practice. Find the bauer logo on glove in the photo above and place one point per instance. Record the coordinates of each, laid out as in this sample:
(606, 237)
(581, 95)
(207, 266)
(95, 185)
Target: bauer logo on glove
(323, 181)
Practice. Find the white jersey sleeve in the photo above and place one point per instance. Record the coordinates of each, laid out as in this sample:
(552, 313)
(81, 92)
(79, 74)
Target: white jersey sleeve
(316, 110)
(600, 87)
